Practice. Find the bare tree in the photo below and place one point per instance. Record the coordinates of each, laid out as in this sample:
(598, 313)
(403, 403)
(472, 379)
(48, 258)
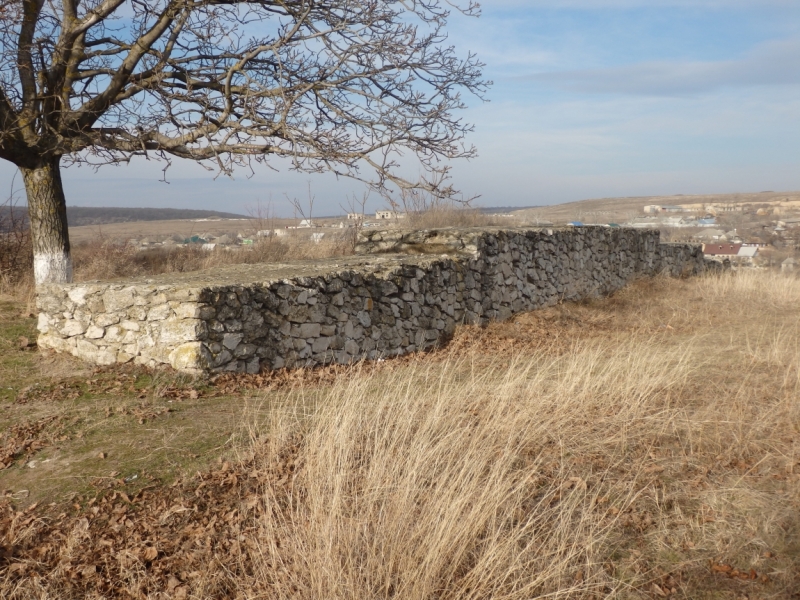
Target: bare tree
(304, 209)
(15, 249)
(355, 212)
(332, 85)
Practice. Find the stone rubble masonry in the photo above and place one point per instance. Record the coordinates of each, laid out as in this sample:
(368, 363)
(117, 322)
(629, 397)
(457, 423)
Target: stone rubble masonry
(402, 292)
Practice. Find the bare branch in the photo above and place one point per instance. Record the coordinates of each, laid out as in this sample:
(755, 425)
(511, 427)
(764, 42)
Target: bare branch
(332, 85)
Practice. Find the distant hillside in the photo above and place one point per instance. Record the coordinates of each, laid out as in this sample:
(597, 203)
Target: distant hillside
(492, 210)
(604, 210)
(89, 215)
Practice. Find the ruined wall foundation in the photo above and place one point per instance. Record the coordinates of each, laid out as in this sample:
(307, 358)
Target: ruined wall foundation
(402, 292)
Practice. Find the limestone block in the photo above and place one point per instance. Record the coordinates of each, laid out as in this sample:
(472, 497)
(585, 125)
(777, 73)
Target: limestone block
(115, 300)
(138, 312)
(298, 314)
(232, 325)
(223, 358)
(190, 357)
(89, 352)
(231, 340)
(57, 343)
(78, 295)
(207, 312)
(130, 326)
(156, 354)
(237, 366)
(114, 334)
(159, 312)
(310, 330)
(182, 330)
(183, 294)
(72, 327)
(320, 344)
(94, 332)
(245, 350)
(43, 323)
(124, 357)
(188, 310)
(105, 319)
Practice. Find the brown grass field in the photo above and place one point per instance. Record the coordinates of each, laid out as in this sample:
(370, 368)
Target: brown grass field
(646, 445)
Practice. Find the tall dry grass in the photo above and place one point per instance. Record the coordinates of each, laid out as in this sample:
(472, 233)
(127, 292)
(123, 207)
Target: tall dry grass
(655, 457)
(106, 259)
(631, 466)
(448, 215)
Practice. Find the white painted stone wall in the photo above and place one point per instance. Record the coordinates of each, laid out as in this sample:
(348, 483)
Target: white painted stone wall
(405, 291)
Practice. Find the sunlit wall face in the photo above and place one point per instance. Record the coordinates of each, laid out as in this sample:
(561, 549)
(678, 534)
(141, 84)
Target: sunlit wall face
(591, 98)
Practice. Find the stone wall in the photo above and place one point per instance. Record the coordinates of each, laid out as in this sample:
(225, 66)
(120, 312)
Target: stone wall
(402, 292)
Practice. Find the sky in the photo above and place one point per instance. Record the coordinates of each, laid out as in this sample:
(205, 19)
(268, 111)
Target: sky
(591, 99)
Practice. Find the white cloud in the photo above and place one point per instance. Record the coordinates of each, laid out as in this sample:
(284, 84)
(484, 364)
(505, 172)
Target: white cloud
(773, 63)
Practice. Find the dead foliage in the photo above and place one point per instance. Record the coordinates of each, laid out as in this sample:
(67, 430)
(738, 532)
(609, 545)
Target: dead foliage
(153, 543)
(23, 440)
(643, 446)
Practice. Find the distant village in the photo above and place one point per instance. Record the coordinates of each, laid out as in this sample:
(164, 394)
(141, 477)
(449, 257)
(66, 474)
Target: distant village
(747, 234)
(764, 234)
(316, 229)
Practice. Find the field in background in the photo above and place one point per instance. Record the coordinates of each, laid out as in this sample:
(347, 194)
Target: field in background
(641, 446)
(142, 248)
(620, 210)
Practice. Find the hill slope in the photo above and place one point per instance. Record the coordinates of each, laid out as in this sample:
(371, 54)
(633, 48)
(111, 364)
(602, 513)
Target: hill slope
(602, 210)
(90, 215)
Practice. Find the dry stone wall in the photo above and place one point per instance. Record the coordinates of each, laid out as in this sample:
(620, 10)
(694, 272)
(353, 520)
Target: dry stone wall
(402, 292)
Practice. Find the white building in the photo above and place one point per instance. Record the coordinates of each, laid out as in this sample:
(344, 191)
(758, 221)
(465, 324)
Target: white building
(385, 215)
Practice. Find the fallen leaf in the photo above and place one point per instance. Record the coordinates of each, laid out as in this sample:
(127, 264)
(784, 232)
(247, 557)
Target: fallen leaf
(89, 571)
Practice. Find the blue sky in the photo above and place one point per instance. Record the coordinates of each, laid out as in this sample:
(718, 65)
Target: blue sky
(591, 98)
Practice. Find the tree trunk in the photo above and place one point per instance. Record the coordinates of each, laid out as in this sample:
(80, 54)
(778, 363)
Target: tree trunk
(47, 210)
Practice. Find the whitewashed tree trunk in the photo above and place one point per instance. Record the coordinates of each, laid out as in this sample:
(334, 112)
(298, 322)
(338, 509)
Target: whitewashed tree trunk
(47, 210)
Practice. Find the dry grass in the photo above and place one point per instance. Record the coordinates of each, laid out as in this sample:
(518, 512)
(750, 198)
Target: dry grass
(624, 466)
(452, 216)
(104, 259)
(647, 448)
